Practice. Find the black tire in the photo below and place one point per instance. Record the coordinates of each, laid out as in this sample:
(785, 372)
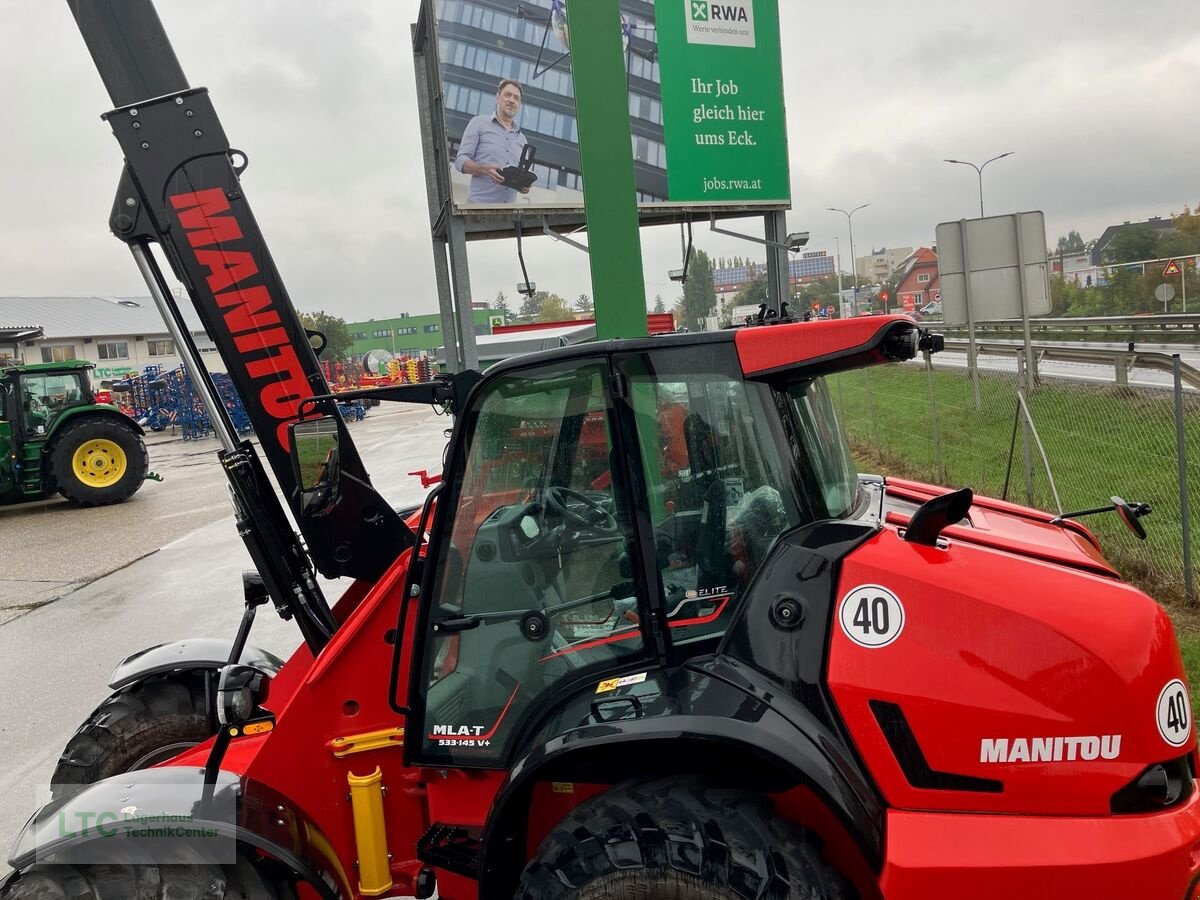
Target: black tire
(134, 729)
(677, 839)
(144, 882)
(75, 486)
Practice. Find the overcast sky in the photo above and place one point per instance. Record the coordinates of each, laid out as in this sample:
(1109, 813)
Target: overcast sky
(1097, 99)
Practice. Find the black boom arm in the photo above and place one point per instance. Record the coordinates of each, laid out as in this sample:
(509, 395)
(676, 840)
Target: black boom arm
(181, 188)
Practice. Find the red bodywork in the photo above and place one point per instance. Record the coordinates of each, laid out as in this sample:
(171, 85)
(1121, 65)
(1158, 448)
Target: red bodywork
(1014, 629)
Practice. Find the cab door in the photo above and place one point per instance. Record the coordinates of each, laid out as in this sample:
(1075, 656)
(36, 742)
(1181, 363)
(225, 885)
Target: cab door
(533, 589)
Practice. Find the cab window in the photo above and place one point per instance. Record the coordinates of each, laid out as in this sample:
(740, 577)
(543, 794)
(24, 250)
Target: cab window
(720, 487)
(535, 586)
(45, 397)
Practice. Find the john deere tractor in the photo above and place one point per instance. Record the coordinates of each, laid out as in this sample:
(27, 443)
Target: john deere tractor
(54, 436)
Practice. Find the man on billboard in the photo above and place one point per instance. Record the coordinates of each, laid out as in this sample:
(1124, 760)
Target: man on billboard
(491, 143)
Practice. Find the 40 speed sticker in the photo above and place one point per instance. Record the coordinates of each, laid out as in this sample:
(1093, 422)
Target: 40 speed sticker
(1175, 713)
(872, 616)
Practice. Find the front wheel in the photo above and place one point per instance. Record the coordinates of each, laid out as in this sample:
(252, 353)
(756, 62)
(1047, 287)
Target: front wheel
(678, 839)
(96, 461)
(144, 882)
(135, 729)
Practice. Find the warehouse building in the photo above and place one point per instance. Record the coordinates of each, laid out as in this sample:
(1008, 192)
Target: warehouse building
(120, 335)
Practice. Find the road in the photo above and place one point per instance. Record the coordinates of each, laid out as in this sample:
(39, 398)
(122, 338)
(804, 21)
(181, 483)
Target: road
(1097, 373)
(165, 565)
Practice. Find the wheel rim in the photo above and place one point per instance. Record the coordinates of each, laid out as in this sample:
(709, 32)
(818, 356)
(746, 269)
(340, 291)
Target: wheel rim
(99, 463)
(161, 755)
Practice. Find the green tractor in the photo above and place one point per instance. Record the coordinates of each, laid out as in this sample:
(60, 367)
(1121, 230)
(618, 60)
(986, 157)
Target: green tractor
(55, 436)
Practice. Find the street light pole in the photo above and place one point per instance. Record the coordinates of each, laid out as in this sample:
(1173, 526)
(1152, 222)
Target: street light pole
(853, 260)
(979, 172)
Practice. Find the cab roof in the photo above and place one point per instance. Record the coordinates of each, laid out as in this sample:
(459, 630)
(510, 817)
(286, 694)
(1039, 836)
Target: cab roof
(68, 364)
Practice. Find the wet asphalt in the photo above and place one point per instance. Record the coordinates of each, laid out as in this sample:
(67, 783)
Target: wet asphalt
(80, 589)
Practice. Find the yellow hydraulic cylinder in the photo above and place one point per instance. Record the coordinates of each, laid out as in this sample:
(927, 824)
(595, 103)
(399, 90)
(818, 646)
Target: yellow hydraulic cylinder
(370, 833)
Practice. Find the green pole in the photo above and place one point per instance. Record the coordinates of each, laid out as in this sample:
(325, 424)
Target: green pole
(606, 157)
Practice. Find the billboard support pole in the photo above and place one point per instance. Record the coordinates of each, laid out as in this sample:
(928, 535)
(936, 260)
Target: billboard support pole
(461, 274)
(431, 131)
(605, 151)
(778, 273)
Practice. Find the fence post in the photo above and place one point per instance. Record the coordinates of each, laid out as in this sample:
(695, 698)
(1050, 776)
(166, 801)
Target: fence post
(1023, 374)
(1189, 591)
(871, 407)
(933, 423)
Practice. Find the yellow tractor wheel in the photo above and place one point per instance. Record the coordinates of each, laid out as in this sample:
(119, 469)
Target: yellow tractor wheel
(98, 460)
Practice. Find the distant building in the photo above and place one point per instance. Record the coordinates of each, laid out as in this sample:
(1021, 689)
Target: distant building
(920, 284)
(121, 335)
(880, 264)
(811, 266)
(412, 335)
(1102, 243)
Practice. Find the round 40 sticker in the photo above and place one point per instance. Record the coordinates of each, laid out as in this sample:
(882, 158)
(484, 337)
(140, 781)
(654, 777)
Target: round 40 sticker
(1175, 714)
(872, 616)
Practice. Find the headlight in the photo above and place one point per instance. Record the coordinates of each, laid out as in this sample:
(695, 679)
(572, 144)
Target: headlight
(240, 692)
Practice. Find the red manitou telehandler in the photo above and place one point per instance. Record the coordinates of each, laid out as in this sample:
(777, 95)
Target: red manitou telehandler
(651, 636)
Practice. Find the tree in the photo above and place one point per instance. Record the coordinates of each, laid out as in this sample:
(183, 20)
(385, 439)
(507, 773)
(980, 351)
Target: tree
(659, 306)
(501, 304)
(584, 304)
(1184, 240)
(338, 342)
(1072, 243)
(553, 309)
(532, 305)
(1133, 244)
(699, 295)
(753, 294)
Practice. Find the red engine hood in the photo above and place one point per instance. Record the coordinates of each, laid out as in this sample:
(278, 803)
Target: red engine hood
(1042, 679)
(1005, 526)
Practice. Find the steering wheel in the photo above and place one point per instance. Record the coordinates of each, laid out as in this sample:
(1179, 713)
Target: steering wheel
(594, 516)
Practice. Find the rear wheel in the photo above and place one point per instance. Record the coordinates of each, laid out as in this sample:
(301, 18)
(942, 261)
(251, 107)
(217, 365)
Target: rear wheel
(144, 882)
(678, 840)
(135, 729)
(96, 461)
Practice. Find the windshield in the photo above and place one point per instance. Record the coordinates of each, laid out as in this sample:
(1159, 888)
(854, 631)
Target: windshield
(821, 448)
(729, 465)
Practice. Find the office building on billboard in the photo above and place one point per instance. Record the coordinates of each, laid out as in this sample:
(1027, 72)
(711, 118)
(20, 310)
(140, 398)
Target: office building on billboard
(812, 266)
(708, 93)
(481, 42)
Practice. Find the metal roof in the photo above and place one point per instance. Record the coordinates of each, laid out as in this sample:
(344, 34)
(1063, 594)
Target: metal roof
(79, 317)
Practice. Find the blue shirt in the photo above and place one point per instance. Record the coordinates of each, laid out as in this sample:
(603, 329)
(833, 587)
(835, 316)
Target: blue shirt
(488, 142)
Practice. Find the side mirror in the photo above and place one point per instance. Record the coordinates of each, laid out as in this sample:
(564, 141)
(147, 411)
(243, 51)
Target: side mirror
(315, 445)
(1130, 513)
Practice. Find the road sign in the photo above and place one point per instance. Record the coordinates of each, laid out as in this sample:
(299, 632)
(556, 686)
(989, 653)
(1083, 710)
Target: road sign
(1165, 293)
(1171, 269)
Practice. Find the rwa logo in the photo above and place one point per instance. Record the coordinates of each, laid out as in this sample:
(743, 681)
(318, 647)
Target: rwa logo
(728, 24)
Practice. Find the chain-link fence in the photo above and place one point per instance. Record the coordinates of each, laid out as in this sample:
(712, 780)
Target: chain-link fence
(1066, 446)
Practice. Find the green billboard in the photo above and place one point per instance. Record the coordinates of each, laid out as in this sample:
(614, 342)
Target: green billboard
(722, 95)
(704, 86)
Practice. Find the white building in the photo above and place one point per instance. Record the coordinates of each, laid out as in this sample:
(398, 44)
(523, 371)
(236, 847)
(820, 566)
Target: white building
(880, 264)
(121, 335)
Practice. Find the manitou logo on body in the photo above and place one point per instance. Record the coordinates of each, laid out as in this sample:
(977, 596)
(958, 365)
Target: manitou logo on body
(729, 23)
(249, 310)
(1050, 749)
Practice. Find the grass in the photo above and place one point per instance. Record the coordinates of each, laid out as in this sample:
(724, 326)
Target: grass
(1100, 441)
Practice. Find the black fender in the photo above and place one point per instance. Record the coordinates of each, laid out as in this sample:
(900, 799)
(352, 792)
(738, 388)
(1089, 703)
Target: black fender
(241, 813)
(714, 717)
(196, 655)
